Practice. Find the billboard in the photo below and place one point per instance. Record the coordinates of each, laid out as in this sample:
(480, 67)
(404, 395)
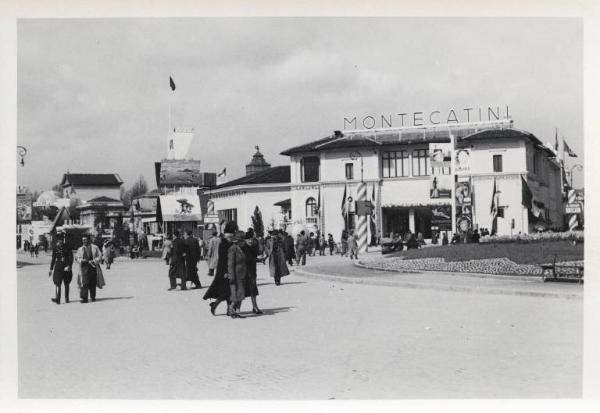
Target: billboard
(462, 160)
(463, 191)
(440, 155)
(441, 217)
(180, 208)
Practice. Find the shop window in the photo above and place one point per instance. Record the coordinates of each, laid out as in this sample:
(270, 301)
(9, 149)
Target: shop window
(497, 160)
(310, 169)
(420, 162)
(394, 164)
(227, 214)
(349, 171)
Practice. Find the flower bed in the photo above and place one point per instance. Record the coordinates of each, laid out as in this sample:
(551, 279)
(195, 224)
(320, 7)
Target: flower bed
(576, 236)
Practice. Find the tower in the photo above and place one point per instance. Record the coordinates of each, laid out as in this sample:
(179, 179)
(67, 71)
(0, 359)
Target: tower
(257, 163)
(178, 143)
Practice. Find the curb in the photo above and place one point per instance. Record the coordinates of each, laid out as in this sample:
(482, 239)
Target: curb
(528, 278)
(437, 287)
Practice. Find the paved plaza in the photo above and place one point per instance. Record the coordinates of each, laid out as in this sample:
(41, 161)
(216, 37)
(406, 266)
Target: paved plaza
(323, 335)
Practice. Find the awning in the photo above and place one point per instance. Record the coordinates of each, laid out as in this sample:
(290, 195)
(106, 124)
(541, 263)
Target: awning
(180, 208)
(284, 203)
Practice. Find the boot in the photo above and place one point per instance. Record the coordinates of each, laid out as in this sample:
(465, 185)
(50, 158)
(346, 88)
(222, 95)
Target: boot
(57, 294)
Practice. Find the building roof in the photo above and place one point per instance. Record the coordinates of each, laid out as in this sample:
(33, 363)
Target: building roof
(411, 136)
(258, 160)
(91, 180)
(285, 203)
(273, 175)
(103, 199)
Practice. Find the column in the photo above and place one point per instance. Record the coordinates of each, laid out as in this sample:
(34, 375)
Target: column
(411, 220)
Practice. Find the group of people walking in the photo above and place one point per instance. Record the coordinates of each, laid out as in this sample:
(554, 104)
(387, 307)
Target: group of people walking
(182, 256)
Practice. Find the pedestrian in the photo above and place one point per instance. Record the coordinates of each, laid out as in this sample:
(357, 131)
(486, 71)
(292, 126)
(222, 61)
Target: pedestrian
(236, 274)
(61, 267)
(212, 256)
(167, 248)
(192, 256)
(277, 265)
(219, 289)
(420, 240)
(288, 247)
(251, 249)
(313, 244)
(108, 253)
(88, 256)
(353, 244)
(322, 245)
(445, 238)
(344, 240)
(202, 250)
(331, 243)
(177, 265)
(301, 247)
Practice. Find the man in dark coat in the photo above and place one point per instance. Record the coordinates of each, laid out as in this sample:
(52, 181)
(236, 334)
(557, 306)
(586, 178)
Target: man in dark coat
(288, 248)
(219, 288)
(191, 259)
(177, 266)
(61, 267)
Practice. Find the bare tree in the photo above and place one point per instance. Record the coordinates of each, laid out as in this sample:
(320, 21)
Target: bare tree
(139, 187)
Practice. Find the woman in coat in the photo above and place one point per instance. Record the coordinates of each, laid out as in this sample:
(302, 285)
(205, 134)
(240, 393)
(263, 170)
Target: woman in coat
(167, 249)
(251, 250)
(212, 255)
(236, 274)
(219, 288)
(61, 267)
(277, 266)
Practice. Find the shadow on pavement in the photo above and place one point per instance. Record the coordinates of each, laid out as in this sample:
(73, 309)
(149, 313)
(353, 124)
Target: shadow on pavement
(282, 283)
(267, 311)
(113, 298)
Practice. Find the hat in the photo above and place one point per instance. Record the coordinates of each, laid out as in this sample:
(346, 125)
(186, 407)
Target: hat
(239, 236)
(249, 234)
(231, 227)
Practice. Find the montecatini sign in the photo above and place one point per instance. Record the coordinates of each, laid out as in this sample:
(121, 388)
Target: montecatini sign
(435, 117)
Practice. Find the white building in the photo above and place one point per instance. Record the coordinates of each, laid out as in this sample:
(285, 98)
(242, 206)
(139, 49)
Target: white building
(399, 168)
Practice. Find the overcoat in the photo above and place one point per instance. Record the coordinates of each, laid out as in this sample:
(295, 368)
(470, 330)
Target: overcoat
(219, 288)
(62, 257)
(251, 252)
(277, 261)
(82, 277)
(213, 252)
(236, 271)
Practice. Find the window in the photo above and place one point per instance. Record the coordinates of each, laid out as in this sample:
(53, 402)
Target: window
(311, 211)
(310, 169)
(440, 170)
(420, 162)
(497, 163)
(349, 171)
(394, 164)
(227, 214)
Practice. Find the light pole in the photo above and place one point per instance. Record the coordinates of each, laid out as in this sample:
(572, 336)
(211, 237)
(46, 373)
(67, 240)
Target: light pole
(577, 167)
(22, 151)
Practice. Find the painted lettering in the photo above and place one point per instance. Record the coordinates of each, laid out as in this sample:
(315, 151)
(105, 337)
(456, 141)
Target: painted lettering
(452, 116)
(364, 122)
(431, 117)
(468, 114)
(402, 115)
(496, 114)
(388, 122)
(351, 122)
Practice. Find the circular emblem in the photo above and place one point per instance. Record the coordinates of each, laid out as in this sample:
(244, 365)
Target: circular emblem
(350, 199)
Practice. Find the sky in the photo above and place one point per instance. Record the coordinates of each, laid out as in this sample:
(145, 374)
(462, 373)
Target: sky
(94, 96)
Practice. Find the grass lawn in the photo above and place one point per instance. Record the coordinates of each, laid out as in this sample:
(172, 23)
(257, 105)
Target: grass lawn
(521, 253)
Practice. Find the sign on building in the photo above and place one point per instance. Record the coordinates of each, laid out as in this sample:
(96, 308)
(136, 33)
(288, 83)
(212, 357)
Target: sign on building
(440, 155)
(24, 207)
(441, 217)
(364, 208)
(440, 186)
(462, 160)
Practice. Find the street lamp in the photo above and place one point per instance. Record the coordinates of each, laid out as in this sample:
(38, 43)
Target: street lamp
(577, 167)
(354, 155)
(22, 151)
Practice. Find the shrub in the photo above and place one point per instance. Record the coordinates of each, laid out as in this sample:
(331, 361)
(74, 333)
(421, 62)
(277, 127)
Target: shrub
(535, 237)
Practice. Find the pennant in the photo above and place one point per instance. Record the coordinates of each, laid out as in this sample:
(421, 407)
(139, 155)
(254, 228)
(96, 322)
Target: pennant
(494, 209)
(344, 203)
(526, 195)
(555, 140)
(171, 83)
(223, 172)
(568, 149)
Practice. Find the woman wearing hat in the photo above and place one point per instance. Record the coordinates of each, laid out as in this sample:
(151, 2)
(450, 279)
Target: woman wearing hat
(236, 274)
(61, 267)
(219, 288)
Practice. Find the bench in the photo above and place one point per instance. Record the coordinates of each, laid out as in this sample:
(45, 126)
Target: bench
(562, 272)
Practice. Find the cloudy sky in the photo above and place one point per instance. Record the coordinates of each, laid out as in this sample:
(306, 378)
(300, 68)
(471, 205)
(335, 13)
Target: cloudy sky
(93, 95)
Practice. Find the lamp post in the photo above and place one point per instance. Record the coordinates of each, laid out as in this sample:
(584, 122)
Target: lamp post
(577, 167)
(22, 151)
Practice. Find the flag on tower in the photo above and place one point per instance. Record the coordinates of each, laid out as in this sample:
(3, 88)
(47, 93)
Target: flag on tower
(568, 149)
(171, 83)
(223, 172)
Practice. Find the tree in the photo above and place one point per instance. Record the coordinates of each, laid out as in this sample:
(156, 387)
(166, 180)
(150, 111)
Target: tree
(140, 187)
(257, 223)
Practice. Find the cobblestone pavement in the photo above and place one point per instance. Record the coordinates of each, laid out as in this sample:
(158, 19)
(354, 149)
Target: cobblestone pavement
(318, 339)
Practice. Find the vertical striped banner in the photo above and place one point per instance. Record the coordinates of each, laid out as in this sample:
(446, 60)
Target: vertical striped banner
(571, 197)
(210, 205)
(361, 195)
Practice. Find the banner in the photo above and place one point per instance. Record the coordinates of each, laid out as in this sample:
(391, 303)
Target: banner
(24, 206)
(440, 186)
(463, 191)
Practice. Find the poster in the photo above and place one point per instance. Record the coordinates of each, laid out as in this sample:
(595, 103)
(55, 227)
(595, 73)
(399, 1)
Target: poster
(440, 155)
(462, 159)
(24, 205)
(463, 192)
(441, 217)
(180, 208)
(440, 186)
